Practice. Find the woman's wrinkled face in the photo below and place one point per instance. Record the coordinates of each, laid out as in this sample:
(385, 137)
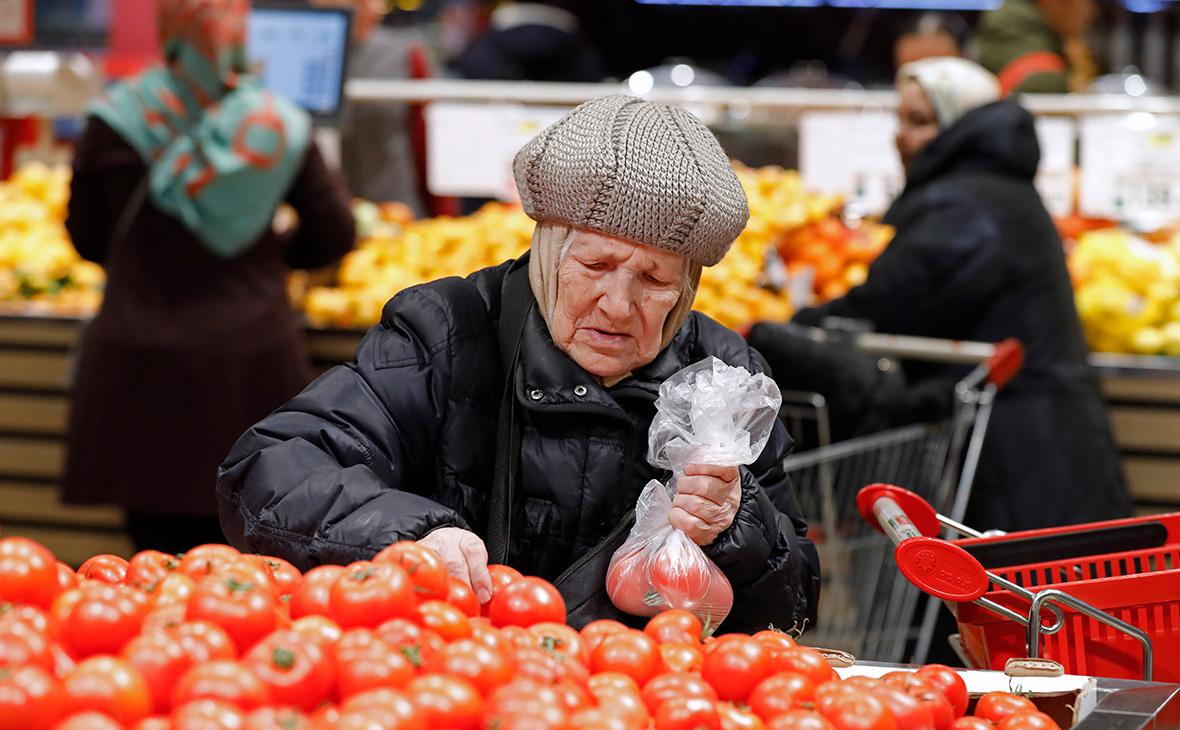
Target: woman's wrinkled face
(613, 297)
(917, 125)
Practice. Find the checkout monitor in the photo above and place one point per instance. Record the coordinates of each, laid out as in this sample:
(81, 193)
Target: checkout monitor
(301, 53)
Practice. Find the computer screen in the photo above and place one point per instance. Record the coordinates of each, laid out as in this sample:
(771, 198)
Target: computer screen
(301, 53)
(71, 23)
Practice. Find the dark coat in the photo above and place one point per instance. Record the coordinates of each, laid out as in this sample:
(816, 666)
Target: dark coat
(188, 349)
(977, 257)
(403, 441)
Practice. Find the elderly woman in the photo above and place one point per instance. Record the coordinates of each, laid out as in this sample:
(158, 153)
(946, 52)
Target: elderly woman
(508, 412)
(977, 257)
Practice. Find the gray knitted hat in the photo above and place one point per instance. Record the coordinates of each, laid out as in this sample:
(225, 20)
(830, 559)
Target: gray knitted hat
(641, 171)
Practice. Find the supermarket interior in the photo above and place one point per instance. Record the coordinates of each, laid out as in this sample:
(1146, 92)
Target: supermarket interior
(580, 330)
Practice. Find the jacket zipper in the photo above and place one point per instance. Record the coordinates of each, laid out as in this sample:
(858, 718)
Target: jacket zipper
(624, 524)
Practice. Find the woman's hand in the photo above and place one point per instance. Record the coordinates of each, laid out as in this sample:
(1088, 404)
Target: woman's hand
(707, 500)
(466, 558)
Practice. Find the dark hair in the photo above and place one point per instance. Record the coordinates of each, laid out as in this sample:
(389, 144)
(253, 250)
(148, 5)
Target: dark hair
(951, 24)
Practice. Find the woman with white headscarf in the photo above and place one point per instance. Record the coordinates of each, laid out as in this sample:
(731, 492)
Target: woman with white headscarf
(977, 257)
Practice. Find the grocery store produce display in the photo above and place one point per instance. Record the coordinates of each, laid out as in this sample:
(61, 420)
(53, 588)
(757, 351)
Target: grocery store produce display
(218, 639)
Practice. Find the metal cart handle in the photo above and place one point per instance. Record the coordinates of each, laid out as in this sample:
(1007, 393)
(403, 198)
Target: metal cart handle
(947, 571)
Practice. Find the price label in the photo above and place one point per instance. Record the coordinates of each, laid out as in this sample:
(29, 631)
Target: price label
(1131, 168)
(853, 155)
(470, 147)
(1055, 175)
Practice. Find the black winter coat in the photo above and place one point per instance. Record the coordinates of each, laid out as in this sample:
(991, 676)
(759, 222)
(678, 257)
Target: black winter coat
(977, 257)
(403, 441)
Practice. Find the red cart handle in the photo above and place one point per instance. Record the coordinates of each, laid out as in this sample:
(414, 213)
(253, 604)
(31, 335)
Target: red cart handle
(1005, 362)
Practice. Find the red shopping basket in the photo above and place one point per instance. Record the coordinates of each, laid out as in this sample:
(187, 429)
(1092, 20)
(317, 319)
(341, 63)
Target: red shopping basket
(1105, 595)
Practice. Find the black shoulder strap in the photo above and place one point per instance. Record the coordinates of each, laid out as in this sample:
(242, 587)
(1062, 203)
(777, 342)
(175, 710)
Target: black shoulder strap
(516, 301)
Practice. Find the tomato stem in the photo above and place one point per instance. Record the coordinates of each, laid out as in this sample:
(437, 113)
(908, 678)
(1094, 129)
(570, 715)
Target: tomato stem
(283, 657)
(414, 654)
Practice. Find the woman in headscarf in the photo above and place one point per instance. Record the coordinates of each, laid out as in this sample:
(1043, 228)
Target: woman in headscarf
(508, 412)
(977, 257)
(176, 182)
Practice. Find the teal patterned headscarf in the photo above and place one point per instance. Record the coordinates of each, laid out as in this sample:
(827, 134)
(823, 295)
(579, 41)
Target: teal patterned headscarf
(221, 151)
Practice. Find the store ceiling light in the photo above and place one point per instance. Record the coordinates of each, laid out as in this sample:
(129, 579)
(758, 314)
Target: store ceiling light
(1134, 85)
(641, 82)
(682, 74)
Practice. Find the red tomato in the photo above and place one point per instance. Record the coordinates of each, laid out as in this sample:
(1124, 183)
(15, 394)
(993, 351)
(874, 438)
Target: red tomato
(688, 713)
(624, 704)
(225, 681)
(369, 594)
(147, 568)
(365, 662)
(858, 711)
(664, 687)
(972, 723)
(778, 694)
(539, 705)
(32, 617)
(427, 570)
(527, 601)
(502, 576)
(633, 653)
(734, 717)
(1029, 721)
(277, 718)
(28, 572)
(110, 685)
(934, 700)
(97, 618)
(628, 582)
(173, 589)
(417, 644)
(246, 610)
(208, 715)
(460, 595)
(802, 660)
(30, 698)
(104, 568)
(679, 581)
(674, 626)
(594, 632)
(204, 641)
(996, 706)
(681, 657)
(597, 719)
(154, 723)
(775, 640)
(392, 710)
(207, 560)
(313, 596)
(947, 681)
(296, 672)
(546, 667)
(88, 721)
(485, 668)
(735, 667)
(22, 646)
(800, 720)
(320, 630)
(445, 620)
(66, 577)
(560, 639)
(908, 712)
(161, 660)
(286, 576)
(446, 702)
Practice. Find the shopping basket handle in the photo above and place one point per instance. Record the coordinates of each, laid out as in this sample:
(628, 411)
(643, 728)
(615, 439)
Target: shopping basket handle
(1005, 362)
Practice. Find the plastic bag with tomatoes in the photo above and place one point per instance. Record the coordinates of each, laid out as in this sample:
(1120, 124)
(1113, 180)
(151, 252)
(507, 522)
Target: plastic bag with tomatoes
(708, 413)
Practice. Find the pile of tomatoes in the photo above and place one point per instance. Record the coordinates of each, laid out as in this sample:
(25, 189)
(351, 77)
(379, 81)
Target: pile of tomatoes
(219, 639)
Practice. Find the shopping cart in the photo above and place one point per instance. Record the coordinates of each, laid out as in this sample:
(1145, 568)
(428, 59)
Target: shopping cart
(1101, 599)
(865, 607)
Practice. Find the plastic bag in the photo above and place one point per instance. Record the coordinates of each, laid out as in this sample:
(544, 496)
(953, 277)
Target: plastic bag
(708, 413)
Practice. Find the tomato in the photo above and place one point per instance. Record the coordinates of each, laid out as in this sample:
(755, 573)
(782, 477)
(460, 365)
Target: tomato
(416, 643)
(736, 667)
(88, 721)
(104, 568)
(277, 718)
(502, 576)
(674, 626)
(560, 639)
(624, 704)
(30, 698)
(947, 681)
(734, 717)
(446, 702)
(633, 653)
(996, 706)
(296, 672)
(688, 713)
(774, 640)
(628, 582)
(97, 618)
(594, 632)
(204, 641)
(525, 704)
(154, 723)
(32, 617)
(664, 687)
(320, 630)
(800, 720)
(173, 589)
(827, 693)
(393, 710)
(935, 701)
(67, 578)
(972, 723)
(526, 601)
(485, 668)
(908, 712)
(681, 657)
(545, 667)
(597, 719)
(245, 609)
(858, 711)
(460, 595)
(148, 568)
(780, 693)
(207, 560)
(1028, 721)
(22, 645)
(286, 577)
(161, 660)
(110, 685)
(427, 570)
(28, 572)
(369, 594)
(802, 660)
(365, 662)
(313, 595)
(221, 680)
(444, 619)
(208, 715)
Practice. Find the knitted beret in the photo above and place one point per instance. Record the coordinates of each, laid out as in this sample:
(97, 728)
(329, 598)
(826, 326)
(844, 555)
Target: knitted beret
(645, 172)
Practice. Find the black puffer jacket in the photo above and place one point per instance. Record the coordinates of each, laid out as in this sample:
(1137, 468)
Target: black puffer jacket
(403, 441)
